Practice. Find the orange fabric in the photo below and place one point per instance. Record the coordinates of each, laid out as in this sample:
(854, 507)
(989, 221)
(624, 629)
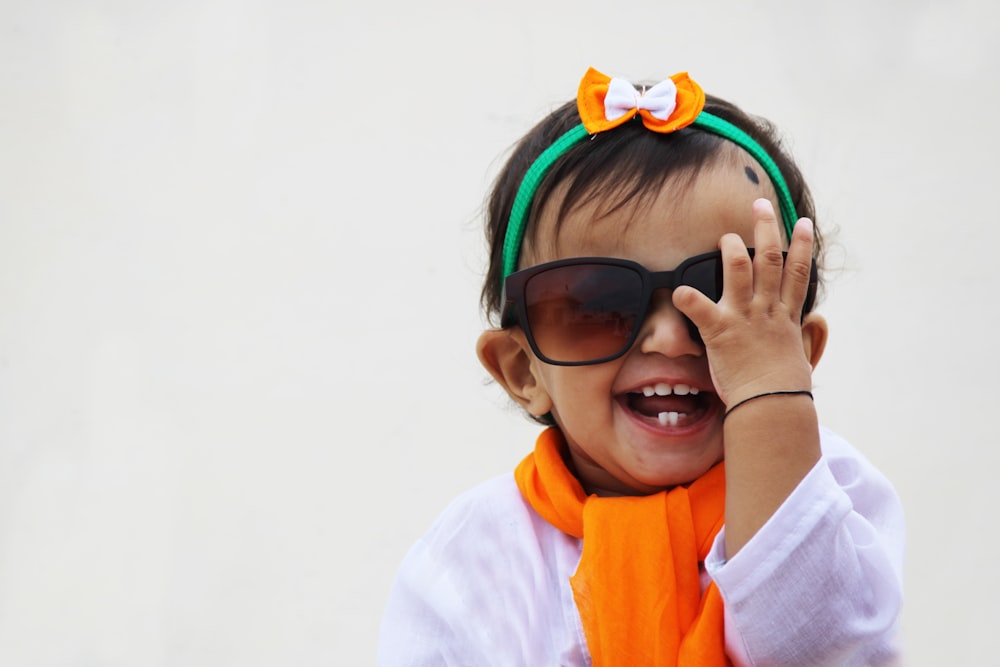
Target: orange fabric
(594, 87)
(637, 586)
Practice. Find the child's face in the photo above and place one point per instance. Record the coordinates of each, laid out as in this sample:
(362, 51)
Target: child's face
(616, 439)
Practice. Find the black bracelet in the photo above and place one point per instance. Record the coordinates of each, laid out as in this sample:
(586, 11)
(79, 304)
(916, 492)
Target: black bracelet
(802, 392)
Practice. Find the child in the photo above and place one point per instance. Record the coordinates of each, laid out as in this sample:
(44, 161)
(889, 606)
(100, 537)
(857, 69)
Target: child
(683, 506)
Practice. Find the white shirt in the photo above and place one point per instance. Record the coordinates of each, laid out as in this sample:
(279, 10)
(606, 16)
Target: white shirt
(819, 584)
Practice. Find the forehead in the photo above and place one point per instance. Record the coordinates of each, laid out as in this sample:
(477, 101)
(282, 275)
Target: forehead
(658, 227)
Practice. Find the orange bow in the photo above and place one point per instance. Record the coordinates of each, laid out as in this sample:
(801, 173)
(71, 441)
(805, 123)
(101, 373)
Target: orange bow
(605, 103)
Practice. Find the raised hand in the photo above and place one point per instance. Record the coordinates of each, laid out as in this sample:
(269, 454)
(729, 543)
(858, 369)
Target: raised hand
(753, 335)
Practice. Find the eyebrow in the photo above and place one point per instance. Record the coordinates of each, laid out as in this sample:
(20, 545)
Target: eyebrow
(752, 175)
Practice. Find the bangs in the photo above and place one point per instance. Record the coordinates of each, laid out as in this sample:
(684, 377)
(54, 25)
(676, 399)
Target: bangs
(628, 167)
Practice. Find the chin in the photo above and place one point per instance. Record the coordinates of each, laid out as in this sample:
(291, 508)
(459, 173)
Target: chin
(677, 475)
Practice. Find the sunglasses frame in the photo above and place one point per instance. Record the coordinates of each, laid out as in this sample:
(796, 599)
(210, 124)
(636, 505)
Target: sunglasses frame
(515, 309)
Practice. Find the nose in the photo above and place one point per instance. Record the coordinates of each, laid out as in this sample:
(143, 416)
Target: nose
(665, 330)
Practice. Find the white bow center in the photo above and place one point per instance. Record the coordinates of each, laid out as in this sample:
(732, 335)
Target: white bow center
(660, 100)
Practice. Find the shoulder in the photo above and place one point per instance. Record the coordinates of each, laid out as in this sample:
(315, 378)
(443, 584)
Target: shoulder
(837, 448)
(486, 501)
(491, 511)
(870, 492)
(492, 527)
(484, 585)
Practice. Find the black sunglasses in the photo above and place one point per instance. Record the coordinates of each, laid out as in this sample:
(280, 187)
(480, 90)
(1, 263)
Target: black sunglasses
(588, 310)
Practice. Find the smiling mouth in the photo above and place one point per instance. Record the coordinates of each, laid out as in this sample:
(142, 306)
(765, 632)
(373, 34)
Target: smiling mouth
(669, 405)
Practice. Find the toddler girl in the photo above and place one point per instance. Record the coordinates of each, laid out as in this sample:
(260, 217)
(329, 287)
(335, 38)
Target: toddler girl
(654, 288)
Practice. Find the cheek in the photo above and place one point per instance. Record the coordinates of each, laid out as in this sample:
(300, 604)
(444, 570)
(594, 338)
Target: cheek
(580, 391)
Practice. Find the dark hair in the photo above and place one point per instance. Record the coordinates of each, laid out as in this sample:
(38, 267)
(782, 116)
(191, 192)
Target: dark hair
(624, 164)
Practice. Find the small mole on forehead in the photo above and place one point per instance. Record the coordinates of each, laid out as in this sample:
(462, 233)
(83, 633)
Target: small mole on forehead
(752, 175)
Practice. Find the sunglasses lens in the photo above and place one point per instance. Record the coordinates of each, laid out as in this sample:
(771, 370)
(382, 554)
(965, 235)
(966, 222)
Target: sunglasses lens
(706, 277)
(584, 312)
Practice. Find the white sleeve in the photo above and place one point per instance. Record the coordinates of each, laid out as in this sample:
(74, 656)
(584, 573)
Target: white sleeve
(821, 582)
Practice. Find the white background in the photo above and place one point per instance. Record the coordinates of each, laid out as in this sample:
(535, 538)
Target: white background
(240, 256)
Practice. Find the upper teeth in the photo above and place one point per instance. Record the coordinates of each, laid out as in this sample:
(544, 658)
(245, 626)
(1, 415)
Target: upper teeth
(664, 389)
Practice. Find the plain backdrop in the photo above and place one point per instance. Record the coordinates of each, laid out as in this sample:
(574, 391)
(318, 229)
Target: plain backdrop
(240, 257)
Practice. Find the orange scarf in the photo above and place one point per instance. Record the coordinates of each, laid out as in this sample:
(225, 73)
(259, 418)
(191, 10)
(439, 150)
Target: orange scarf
(637, 587)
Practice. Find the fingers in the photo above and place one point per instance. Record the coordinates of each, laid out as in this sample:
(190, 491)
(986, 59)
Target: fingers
(744, 279)
(777, 278)
(798, 266)
(767, 284)
(768, 260)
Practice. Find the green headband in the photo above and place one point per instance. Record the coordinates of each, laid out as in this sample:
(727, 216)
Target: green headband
(540, 167)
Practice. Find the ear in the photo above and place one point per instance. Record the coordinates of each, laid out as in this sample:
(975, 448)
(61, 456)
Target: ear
(508, 358)
(814, 333)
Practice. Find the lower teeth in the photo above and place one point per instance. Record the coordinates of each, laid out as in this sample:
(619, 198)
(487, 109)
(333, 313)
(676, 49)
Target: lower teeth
(668, 418)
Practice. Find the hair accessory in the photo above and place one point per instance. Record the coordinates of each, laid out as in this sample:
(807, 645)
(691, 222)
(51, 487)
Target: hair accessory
(797, 392)
(605, 103)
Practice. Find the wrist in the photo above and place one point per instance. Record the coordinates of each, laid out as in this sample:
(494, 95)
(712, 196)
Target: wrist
(766, 395)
